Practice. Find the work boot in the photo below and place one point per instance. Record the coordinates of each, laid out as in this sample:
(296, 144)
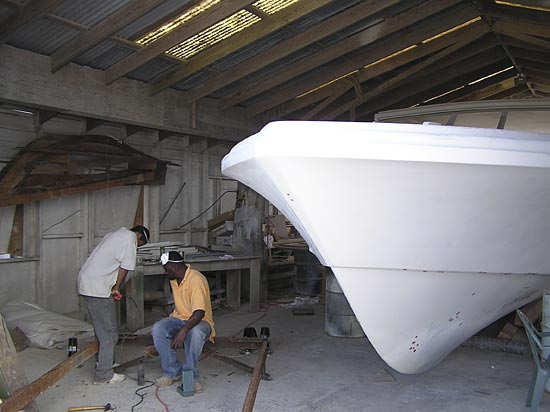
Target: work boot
(198, 387)
(117, 378)
(167, 380)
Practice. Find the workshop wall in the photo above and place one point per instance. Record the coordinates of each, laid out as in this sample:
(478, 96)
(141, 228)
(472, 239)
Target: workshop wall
(60, 233)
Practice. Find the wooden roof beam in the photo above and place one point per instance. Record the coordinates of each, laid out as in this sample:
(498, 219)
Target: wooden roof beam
(107, 27)
(361, 39)
(532, 29)
(503, 94)
(364, 74)
(434, 84)
(469, 37)
(33, 10)
(527, 38)
(488, 91)
(371, 55)
(213, 15)
(513, 14)
(238, 41)
(359, 12)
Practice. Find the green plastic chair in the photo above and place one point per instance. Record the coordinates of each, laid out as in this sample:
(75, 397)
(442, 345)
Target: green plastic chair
(541, 373)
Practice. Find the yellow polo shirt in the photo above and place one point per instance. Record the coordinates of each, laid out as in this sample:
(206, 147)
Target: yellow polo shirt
(190, 295)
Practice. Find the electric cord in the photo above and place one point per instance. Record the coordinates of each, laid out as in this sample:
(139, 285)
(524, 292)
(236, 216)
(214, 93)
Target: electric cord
(253, 322)
(142, 395)
(160, 400)
(207, 209)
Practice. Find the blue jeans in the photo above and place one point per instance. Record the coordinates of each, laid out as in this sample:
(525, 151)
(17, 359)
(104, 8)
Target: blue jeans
(164, 331)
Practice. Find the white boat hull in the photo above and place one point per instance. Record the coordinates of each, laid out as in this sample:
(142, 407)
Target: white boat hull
(433, 232)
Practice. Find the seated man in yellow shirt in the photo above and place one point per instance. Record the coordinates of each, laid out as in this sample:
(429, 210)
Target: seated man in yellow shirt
(190, 324)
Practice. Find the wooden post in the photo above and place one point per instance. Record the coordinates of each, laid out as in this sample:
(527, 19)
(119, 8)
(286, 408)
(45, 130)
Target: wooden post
(27, 394)
(12, 376)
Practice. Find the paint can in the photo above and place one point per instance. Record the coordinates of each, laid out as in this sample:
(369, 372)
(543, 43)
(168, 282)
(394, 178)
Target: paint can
(340, 321)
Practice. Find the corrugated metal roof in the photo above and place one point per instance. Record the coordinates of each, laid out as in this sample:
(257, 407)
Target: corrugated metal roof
(42, 36)
(104, 55)
(253, 49)
(88, 12)
(6, 12)
(157, 14)
(191, 81)
(151, 69)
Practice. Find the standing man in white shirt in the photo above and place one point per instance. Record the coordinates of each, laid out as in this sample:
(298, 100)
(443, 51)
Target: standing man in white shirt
(99, 280)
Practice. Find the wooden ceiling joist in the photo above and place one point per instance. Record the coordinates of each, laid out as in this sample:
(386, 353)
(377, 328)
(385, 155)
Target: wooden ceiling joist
(237, 42)
(42, 116)
(90, 124)
(116, 21)
(532, 29)
(488, 91)
(371, 55)
(361, 39)
(365, 74)
(512, 14)
(33, 10)
(468, 37)
(199, 23)
(359, 12)
(527, 38)
(433, 84)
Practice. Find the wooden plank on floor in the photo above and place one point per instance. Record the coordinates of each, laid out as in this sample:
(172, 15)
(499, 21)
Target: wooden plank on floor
(12, 376)
(26, 394)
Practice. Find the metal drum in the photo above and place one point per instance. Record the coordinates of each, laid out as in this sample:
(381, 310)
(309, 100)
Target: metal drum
(340, 321)
(308, 279)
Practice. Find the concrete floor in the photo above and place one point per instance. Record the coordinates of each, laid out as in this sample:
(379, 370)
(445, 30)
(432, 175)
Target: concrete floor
(311, 372)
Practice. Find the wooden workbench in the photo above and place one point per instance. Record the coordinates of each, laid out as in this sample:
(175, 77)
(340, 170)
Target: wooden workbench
(232, 267)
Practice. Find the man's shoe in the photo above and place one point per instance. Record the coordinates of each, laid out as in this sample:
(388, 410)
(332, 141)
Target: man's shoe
(164, 381)
(117, 378)
(198, 387)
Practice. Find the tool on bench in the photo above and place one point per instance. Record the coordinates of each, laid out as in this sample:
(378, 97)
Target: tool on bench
(107, 407)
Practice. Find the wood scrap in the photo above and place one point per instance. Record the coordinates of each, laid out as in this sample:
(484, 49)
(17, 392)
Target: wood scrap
(20, 340)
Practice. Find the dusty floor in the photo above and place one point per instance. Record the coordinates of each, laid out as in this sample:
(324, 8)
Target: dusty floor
(311, 372)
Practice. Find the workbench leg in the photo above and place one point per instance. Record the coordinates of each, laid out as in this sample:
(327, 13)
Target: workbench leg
(233, 292)
(134, 309)
(255, 285)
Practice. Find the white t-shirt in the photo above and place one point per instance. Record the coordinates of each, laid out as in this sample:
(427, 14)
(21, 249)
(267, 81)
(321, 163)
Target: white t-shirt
(98, 274)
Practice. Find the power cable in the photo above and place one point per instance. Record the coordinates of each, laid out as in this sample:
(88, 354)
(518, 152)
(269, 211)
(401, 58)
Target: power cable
(207, 209)
(142, 395)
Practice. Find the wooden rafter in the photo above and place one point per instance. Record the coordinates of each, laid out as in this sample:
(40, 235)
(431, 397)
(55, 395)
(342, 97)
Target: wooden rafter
(488, 91)
(434, 83)
(513, 14)
(107, 27)
(365, 74)
(371, 55)
(238, 41)
(213, 15)
(503, 94)
(361, 39)
(468, 38)
(337, 22)
(527, 38)
(532, 29)
(33, 10)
